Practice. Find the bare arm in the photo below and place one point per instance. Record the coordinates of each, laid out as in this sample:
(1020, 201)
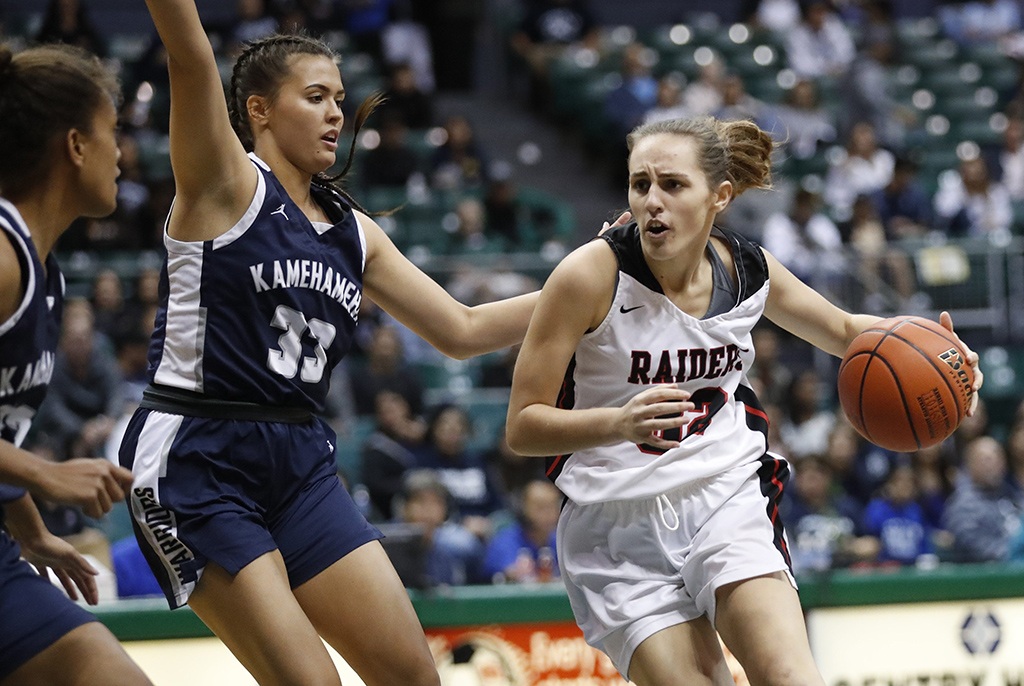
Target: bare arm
(43, 550)
(804, 312)
(574, 300)
(416, 300)
(214, 180)
(90, 483)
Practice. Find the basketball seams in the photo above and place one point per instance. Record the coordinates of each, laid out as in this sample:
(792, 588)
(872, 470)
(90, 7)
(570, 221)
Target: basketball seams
(901, 356)
(934, 365)
(903, 396)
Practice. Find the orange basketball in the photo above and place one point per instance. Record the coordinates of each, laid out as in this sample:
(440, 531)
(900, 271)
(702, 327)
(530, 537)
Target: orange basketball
(905, 383)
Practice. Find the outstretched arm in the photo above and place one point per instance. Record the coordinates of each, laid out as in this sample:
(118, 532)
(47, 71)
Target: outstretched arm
(90, 483)
(419, 302)
(804, 312)
(214, 180)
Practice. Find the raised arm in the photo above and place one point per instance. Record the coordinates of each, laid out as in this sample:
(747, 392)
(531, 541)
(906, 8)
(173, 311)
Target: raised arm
(574, 300)
(416, 300)
(214, 180)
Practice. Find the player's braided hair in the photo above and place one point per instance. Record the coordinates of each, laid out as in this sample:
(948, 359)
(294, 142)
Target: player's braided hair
(261, 68)
(44, 92)
(735, 151)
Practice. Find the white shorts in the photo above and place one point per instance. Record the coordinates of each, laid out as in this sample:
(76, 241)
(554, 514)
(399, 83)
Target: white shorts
(630, 575)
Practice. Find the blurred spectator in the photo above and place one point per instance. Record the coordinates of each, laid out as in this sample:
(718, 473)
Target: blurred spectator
(903, 205)
(860, 467)
(704, 95)
(864, 167)
(468, 231)
(820, 45)
(524, 550)
(405, 41)
(669, 103)
(983, 514)
(108, 303)
(1011, 159)
(365, 22)
(777, 16)
(807, 422)
(877, 261)
(738, 104)
(472, 285)
(626, 104)
(386, 369)
(934, 475)
(805, 240)
(86, 394)
(406, 99)
(548, 28)
(806, 125)
(475, 495)
(896, 519)
(867, 87)
(453, 553)
(979, 21)
(969, 203)
(253, 21)
(393, 162)
(1015, 455)
(388, 451)
(821, 521)
(505, 214)
(512, 472)
(68, 21)
(459, 163)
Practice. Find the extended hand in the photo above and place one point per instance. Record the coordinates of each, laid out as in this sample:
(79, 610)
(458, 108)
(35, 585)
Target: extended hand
(68, 565)
(972, 358)
(93, 484)
(623, 219)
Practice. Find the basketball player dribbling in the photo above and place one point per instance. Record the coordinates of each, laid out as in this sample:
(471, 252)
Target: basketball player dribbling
(671, 530)
(58, 120)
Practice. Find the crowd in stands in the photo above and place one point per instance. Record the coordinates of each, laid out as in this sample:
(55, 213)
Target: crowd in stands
(855, 179)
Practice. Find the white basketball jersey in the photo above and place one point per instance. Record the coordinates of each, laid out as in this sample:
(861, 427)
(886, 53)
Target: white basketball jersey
(647, 340)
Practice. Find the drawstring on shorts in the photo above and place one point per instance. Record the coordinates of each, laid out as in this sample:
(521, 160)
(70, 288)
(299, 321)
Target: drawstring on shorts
(663, 501)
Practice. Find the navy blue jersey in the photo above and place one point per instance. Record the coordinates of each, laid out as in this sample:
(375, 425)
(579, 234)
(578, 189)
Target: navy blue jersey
(29, 337)
(262, 313)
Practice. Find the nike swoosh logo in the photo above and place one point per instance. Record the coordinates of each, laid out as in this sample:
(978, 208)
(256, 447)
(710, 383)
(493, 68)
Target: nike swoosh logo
(623, 309)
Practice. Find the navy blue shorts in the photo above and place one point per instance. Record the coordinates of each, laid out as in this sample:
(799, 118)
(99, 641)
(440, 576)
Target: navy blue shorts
(34, 614)
(229, 491)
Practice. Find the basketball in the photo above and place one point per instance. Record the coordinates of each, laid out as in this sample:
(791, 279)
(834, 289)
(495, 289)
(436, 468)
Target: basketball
(905, 383)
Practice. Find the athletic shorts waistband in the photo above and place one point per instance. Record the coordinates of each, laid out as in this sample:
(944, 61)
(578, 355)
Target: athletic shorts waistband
(191, 404)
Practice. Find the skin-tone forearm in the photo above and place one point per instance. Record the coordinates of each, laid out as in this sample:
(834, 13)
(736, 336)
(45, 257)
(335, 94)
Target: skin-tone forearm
(499, 324)
(19, 467)
(23, 520)
(90, 483)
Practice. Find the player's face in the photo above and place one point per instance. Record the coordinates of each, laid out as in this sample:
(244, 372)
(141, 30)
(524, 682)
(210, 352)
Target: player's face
(306, 115)
(100, 170)
(669, 195)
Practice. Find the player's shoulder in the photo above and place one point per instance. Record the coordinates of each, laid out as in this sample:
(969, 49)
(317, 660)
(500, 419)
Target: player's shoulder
(589, 269)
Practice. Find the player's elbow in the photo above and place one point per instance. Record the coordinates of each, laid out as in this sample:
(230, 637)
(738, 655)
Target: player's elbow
(520, 438)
